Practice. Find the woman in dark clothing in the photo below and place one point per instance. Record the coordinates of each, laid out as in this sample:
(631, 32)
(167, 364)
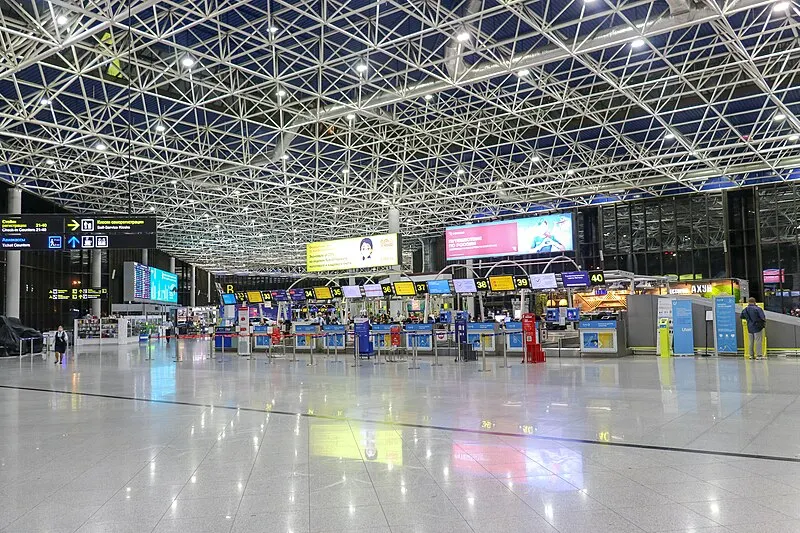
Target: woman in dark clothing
(60, 344)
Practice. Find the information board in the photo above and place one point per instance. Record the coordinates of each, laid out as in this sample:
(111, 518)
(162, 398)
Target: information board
(576, 279)
(482, 284)
(323, 293)
(725, 324)
(373, 290)
(682, 327)
(351, 291)
(405, 288)
(421, 287)
(546, 281)
(143, 283)
(254, 297)
(466, 285)
(57, 232)
(522, 282)
(88, 293)
(439, 286)
(501, 283)
(597, 277)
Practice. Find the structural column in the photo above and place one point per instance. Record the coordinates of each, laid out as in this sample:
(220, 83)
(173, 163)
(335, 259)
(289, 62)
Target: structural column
(394, 227)
(172, 264)
(208, 287)
(97, 278)
(193, 287)
(13, 259)
(145, 258)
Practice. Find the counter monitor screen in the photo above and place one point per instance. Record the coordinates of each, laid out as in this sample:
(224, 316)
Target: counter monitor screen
(298, 295)
(280, 296)
(323, 293)
(373, 290)
(254, 297)
(501, 283)
(404, 288)
(465, 286)
(351, 291)
(439, 286)
(228, 298)
(546, 281)
(576, 279)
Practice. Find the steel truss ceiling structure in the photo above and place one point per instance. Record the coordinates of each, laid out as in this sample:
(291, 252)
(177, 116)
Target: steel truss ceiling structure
(251, 127)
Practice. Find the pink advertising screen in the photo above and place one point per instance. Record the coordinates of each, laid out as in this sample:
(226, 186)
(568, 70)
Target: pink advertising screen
(536, 235)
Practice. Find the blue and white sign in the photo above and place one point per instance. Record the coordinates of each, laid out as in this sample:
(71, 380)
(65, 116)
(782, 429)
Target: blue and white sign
(262, 338)
(573, 314)
(725, 324)
(419, 335)
(575, 279)
(302, 336)
(361, 329)
(682, 328)
(461, 330)
(551, 314)
(597, 324)
(514, 336)
(335, 335)
(381, 335)
(55, 242)
(476, 330)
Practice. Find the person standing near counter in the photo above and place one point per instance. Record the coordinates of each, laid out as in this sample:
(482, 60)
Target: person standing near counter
(756, 322)
(60, 344)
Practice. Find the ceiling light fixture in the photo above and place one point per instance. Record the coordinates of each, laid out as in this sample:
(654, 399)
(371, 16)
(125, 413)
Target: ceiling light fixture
(49, 161)
(188, 61)
(536, 159)
(523, 72)
(100, 146)
(273, 29)
(794, 137)
(160, 128)
(428, 97)
(637, 43)
(361, 68)
(45, 101)
(281, 93)
(463, 37)
(152, 208)
(351, 116)
(781, 6)
(669, 135)
(62, 20)
(216, 226)
(460, 171)
(173, 182)
(778, 117)
(571, 172)
(285, 157)
(345, 172)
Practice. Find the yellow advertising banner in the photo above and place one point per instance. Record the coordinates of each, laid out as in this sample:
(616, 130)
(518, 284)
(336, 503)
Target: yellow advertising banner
(357, 252)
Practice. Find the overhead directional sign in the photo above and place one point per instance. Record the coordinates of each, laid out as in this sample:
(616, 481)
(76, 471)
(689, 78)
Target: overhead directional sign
(73, 232)
(88, 293)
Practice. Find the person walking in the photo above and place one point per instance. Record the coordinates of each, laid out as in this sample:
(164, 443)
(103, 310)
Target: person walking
(60, 344)
(756, 322)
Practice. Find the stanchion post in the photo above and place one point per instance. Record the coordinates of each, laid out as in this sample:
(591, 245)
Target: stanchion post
(223, 346)
(269, 350)
(310, 340)
(483, 353)
(414, 349)
(505, 352)
(435, 350)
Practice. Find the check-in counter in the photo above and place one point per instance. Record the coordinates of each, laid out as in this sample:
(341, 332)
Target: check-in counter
(513, 336)
(335, 336)
(602, 337)
(482, 331)
(303, 332)
(419, 335)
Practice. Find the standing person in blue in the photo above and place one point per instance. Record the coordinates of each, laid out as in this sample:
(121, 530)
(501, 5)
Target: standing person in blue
(756, 322)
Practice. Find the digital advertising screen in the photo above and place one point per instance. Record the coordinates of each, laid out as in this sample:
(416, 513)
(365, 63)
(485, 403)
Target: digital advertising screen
(323, 293)
(297, 295)
(357, 252)
(544, 282)
(254, 297)
(228, 298)
(439, 286)
(351, 291)
(373, 290)
(405, 288)
(464, 286)
(536, 235)
(576, 279)
(501, 283)
(163, 286)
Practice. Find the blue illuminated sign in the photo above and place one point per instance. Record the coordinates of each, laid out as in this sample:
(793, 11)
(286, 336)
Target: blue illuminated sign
(163, 286)
(682, 328)
(55, 242)
(725, 324)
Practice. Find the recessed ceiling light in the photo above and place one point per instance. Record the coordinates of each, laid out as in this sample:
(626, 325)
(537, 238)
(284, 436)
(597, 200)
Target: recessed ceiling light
(173, 182)
(101, 146)
(637, 43)
(523, 72)
(216, 226)
(187, 61)
(206, 215)
(460, 171)
(273, 29)
(152, 208)
(285, 157)
(160, 128)
(794, 137)
(49, 161)
(778, 117)
(361, 68)
(345, 172)
(669, 135)
(570, 172)
(463, 37)
(45, 101)
(536, 159)
(281, 93)
(62, 20)
(781, 6)
(351, 116)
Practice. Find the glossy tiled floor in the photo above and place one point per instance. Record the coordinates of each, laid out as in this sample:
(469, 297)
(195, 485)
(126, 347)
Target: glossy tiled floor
(207, 445)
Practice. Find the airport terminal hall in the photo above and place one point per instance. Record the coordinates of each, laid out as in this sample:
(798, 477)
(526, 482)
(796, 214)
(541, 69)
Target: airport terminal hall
(400, 266)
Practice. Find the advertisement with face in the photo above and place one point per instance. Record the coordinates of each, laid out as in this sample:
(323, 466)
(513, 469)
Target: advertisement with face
(357, 252)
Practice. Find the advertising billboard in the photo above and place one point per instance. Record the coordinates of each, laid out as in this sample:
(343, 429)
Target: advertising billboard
(143, 283)
(536, 235)
(357, 252)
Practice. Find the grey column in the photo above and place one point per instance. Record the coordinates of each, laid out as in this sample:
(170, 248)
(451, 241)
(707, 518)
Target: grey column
(13, 260)
(172, 264)
(193, 288)
(394, 227)
(97, 278)
(144, 256)
(208, 286)
(470, 299)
